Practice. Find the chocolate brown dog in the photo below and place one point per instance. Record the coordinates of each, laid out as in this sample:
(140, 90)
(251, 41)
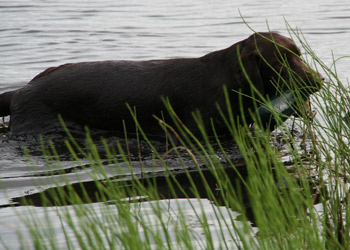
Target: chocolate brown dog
(95, 94)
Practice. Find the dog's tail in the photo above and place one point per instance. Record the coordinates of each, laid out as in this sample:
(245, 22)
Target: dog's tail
(5, 103)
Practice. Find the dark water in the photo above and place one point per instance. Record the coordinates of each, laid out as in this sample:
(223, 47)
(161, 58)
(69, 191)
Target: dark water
(35, 35)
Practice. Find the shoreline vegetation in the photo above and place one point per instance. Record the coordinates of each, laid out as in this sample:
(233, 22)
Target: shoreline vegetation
(256, 202)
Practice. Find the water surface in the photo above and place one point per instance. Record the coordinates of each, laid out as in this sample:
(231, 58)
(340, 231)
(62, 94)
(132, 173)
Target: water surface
(35, 35)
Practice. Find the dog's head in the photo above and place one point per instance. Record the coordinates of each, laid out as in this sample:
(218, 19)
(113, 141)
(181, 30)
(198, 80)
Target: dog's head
(272, 62)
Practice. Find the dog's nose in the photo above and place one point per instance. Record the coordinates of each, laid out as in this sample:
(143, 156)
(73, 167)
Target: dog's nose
(316, 81)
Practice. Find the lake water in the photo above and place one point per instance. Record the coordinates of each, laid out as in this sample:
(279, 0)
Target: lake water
(35, 35)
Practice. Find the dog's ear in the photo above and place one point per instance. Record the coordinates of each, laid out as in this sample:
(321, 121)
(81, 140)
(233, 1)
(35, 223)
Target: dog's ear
(248, 70)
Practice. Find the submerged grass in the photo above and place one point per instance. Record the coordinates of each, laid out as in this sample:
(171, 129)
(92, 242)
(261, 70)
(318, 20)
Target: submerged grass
(136, 214)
